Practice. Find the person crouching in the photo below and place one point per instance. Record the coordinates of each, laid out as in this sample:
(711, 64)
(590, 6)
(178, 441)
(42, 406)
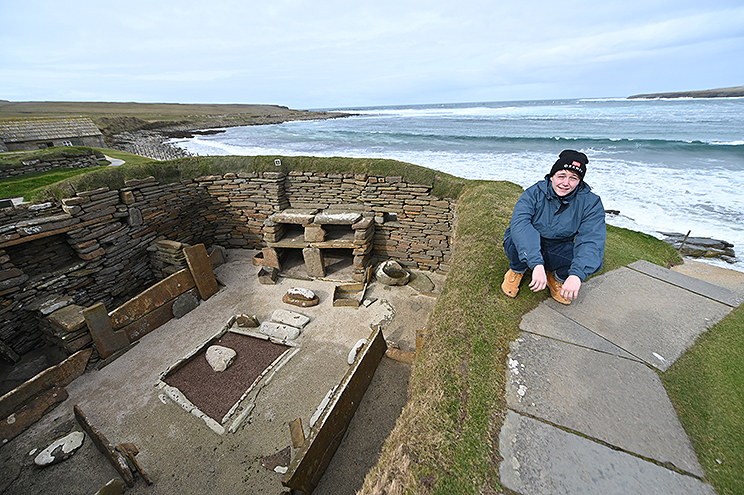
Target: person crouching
(557, 230)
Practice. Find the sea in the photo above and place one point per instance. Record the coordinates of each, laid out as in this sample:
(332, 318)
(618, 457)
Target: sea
(666, 165)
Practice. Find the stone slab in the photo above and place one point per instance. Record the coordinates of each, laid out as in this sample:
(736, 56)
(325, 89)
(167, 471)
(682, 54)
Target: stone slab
(720, 294)
(651, 319)
(338, 217)
(184, 303)
(289, 318)
(154, 297)
(314, 262)
(279, 331)
(60, 375)
(547, 322)
(117, 460)
(17, 422)
(60, 449)
(201, 270)
(313, 458)
(294, 216)
(152, 320)
(615, 400)
(107, 341)
(540, 459)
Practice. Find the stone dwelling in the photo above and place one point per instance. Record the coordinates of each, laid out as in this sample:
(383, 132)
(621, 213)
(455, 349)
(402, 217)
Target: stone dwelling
(41, 132)
(107, 246)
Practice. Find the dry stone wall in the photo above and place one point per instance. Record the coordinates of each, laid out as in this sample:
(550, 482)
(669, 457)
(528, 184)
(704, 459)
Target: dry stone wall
(43, 165)
(101, 245)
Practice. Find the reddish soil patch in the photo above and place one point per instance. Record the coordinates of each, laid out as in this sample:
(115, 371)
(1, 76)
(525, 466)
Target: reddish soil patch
(214, 393)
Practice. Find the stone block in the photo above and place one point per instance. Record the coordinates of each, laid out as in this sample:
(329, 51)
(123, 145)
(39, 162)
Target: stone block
(271, 258)
(69, 318)
(301, 297)
(314, 233)
(135, 217)
(289, 318)
(220, 357)
(314, 262)
(127, 197)
(184, 304)
(279, 331)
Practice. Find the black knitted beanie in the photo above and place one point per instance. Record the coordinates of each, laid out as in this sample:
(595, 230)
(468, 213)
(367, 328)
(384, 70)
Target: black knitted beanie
(574, 161)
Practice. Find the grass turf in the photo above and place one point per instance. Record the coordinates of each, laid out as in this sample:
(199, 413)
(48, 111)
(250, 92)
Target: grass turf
(706, 386)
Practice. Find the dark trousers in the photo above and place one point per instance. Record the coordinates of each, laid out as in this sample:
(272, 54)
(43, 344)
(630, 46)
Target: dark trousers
(557, 257)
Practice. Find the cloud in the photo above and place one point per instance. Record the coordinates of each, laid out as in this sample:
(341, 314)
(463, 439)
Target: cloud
(328, 53)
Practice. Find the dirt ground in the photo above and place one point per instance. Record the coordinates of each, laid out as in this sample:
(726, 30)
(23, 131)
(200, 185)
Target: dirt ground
(177, 449)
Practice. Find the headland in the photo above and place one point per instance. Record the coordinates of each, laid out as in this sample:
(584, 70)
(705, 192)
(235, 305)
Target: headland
(732, 92)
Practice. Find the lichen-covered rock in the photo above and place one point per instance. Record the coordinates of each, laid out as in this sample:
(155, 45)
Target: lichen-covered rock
(300, 297)
(220, 357)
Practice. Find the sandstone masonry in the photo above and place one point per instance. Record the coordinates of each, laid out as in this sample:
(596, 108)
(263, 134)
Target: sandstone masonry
(108, 246)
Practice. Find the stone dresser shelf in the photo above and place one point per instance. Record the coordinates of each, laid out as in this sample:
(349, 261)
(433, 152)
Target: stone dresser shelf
(314, 230)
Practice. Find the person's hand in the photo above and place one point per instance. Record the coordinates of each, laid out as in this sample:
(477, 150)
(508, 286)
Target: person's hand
(571, 288)
(539, 279)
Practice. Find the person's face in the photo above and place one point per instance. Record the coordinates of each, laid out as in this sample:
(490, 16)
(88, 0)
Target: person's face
(564, 182)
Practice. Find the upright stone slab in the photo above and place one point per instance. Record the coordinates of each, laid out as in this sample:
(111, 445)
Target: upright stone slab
(117, 460)
(201, 270)
(271, 258)
(107, 341)
(314, 262)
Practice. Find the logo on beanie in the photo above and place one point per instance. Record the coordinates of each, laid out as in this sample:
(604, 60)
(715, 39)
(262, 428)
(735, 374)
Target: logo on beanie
(576, 164)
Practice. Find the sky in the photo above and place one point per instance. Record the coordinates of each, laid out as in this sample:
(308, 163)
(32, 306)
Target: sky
(316, 54)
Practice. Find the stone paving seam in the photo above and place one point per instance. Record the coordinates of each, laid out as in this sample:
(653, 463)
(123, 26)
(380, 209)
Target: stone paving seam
(566, 429)
(620, 401)
(546, 321)
(539, 459)
(688, 283)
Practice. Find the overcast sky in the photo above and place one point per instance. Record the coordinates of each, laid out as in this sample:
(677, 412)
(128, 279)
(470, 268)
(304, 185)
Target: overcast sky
(335, 53)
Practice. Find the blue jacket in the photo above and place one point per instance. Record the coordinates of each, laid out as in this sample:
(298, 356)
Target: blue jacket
(541, 214)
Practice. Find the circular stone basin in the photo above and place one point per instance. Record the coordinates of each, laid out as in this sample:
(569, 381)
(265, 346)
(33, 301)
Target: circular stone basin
(391, 273)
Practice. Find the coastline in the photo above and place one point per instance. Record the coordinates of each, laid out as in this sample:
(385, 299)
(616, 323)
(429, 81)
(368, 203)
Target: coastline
(143, 128)
(152, 142)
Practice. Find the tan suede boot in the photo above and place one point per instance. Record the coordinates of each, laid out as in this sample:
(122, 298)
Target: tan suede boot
(511, 283)
(555, 289)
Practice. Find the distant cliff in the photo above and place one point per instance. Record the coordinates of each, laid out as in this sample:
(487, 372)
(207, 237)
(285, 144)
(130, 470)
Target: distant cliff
(708, 93)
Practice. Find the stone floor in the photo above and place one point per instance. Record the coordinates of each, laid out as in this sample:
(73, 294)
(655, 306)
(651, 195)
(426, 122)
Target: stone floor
(587, 410)
(177, 449)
